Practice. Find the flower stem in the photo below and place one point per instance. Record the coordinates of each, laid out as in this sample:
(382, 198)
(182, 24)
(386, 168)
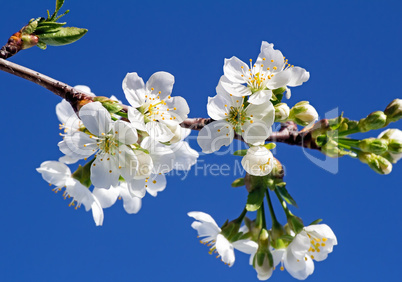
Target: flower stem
(283, 204)
(241, 217)
(271, 209)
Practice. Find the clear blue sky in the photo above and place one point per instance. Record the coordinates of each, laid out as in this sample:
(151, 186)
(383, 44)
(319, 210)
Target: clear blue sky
(352, 50)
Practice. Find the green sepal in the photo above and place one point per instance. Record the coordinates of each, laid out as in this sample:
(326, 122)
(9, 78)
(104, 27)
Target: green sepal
(334, 123)
(42, 45)
(287, 238)
(63, 36)
(296, 224)
(281, 188)
(240, 153)
(83, 174)
(256, 186)
(238, 182)
(110, 105)
(315, 221)
(59, 4)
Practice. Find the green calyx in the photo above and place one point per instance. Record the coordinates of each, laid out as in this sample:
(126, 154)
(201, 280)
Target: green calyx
(375, 120)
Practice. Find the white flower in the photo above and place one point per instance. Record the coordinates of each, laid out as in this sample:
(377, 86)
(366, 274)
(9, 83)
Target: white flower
(59, 174)
(270, 71)
(282, 112)
(231, 115)
(258, 161)
(107, 197)
(152, 106)
(207, 227)
(395, 134)
(110, 139)
(315, 242)
(153, 184)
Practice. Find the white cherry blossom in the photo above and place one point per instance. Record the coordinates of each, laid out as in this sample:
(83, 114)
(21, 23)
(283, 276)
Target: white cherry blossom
(232, 115)
(110, 139)
(153, 109)
(58, 174)
(270, 71)
(258, 161)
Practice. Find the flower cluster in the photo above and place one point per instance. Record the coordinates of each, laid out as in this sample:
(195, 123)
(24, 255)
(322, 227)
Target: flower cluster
(294, 252)
(248, 102)
(128, 156)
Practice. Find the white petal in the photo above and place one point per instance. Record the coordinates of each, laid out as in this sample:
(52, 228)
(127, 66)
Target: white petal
(300, 245)
(273, 58)
(260, 97)
(131, 204)
(215, 135)
(78, 145)
(68, 160)
(84, 89)
(97, 213)
(246, 246)
(185, 156)
(55, 173)
(64, 111)
(217, 107)
(125, 132)
(178, 108)
(145, 165)
(161, 81)
(206, 225)
(104, 171)
(96, 118)
(136, 118)
(128, 162)
(159, 131)
(255, 133)
(298, 268)
(225, 250)
(298, 76)
(236, 89)
(136, 188)
(134, 89)
(233, 70)
(106, 197)
(156, 183)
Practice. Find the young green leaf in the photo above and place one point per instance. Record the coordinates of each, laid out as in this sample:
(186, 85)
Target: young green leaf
(63, 36)
(240, 153)
(281, 188)
(238, 182)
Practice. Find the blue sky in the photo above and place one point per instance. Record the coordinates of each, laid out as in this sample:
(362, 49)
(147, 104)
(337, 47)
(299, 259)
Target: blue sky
(352, 50)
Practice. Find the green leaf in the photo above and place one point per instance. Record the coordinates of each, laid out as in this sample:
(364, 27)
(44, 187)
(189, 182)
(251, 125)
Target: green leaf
(256, 185)
(63, 36)
(240, 153)
(59, 4)
(31, 27)
(281, 188)
(238, 182)
(316, 221)
(42, 45)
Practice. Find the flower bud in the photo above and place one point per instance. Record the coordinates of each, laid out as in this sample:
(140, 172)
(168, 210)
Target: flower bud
(373, 121)
(282, 112)
(303, 113)
(394, 111)
(263, 260)
(258, 161)
(373, 145)
(394, 138)
(331, 149)
(377, 163)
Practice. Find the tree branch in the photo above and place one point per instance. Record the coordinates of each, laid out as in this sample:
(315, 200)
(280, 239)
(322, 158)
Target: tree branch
(287, 134)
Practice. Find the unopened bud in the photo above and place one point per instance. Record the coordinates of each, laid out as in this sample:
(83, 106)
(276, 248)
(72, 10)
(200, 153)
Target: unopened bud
(394, 111)
(373, 145)
(377, 163)
(282, 112)
(375, 120)
(394, 138)
(111, 105)
(331, 149)
(303, 113)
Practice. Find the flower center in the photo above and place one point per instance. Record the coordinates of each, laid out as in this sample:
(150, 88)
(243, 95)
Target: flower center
(237, 116)
(316, 244)
(108, 144)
